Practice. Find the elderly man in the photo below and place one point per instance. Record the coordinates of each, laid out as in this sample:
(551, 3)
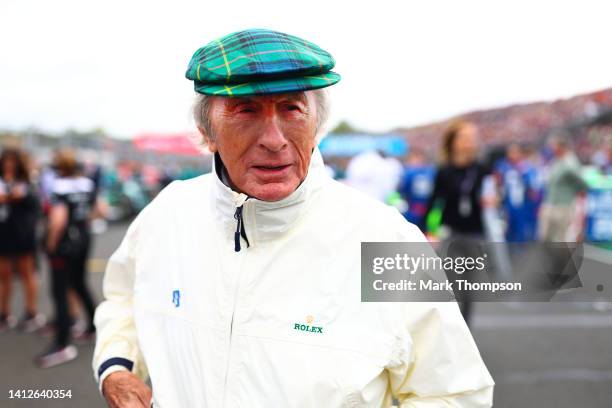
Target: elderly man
(242, 287)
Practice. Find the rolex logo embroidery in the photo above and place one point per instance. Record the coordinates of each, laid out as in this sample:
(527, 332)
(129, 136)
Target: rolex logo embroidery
(308, 327)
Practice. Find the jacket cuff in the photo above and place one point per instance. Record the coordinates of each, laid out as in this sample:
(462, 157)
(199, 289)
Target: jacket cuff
(112, 365)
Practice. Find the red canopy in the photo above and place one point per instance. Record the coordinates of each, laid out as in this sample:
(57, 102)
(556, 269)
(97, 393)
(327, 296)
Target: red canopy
(177, 143)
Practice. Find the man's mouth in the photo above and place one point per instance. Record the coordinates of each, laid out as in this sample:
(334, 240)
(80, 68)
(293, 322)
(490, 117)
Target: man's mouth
(272, 168)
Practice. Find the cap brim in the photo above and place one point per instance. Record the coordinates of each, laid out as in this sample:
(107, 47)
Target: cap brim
(267, 87)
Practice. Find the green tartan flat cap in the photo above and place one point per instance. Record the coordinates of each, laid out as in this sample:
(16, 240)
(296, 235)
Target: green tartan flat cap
(260, 62)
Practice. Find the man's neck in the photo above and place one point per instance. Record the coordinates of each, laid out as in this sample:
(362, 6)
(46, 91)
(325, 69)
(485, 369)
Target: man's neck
(223, 174)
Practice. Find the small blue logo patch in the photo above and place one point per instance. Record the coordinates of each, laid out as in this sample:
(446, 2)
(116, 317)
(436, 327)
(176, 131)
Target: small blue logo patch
(176, 298)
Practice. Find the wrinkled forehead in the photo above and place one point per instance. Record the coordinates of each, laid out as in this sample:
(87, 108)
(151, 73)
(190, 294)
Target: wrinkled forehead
(301, 97)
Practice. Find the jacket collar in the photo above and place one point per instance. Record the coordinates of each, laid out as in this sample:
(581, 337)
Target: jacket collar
(264, 220)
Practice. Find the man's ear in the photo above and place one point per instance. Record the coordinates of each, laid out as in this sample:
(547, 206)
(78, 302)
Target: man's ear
(209, 141)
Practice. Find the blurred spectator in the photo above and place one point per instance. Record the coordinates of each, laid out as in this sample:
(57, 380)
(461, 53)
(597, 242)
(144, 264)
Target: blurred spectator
(68, 243)
(374, 174)
(564, 185)
(458, 182)
(521, 193)
(45, 182)
(19, 211)
(416, 187)
(602, 157)
(457, 191)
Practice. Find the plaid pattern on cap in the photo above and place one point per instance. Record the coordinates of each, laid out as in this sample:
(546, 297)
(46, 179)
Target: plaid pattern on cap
(258, 61)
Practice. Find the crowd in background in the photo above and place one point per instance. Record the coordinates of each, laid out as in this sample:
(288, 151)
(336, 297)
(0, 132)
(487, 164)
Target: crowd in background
(464, 197)
(60, 202)
(587, 117)
(536, 192)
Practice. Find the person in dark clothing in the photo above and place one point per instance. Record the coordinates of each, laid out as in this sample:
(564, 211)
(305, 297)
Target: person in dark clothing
(457, 191)
(19, 212)
(459, 180)
(68, 243)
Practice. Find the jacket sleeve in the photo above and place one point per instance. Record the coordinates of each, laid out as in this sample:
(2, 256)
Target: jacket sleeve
(440, 366)
(117, 343)
(443, 367)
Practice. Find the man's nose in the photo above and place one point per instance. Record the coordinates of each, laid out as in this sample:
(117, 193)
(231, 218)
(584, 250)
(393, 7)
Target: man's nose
(272, 137)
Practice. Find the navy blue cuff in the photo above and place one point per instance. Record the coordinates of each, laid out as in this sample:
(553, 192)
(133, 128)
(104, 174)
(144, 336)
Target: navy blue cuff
(124, 362)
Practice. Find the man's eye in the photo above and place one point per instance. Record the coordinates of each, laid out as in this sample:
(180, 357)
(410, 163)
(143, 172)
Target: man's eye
(293, 108)
(246, 110)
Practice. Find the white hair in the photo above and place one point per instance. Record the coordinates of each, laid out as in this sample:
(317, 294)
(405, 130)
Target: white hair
(201, 112)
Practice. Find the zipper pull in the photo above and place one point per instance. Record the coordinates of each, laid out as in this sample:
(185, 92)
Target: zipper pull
(238, 217)
(240, 232)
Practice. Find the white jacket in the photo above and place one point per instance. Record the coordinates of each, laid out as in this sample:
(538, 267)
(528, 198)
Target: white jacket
(280, 322)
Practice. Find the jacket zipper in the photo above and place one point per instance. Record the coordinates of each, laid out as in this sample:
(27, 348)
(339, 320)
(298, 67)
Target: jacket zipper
(240, 232)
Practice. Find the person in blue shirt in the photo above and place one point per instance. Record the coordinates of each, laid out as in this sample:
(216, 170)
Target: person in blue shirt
(416, 186)
(521, 192)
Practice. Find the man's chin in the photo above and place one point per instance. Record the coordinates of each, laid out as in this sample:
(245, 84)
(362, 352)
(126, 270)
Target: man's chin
(273, 191)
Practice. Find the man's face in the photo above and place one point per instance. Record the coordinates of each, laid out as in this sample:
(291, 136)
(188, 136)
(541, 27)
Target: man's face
(265, 141)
